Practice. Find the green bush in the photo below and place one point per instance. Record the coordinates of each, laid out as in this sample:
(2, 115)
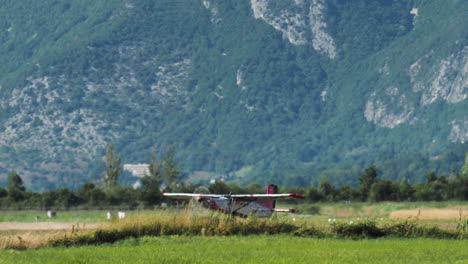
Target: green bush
(411, 229)
(361, 229)
(309, 232)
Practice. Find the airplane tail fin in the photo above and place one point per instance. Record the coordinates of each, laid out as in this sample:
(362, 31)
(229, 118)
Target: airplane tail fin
(271, 189)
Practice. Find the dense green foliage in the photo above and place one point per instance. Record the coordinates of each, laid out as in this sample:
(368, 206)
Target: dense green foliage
(372, 188)
(230, 91)
(113, 167)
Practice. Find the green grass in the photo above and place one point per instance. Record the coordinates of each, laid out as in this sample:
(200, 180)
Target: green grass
(381, 209)
(325, 211)
(81, 216)
(250, 249)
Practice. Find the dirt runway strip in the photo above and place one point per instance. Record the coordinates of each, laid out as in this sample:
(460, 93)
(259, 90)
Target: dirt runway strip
(46, 226)
(430, 214)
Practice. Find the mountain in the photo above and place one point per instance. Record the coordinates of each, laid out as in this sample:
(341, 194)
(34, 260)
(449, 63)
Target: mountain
(258, 90)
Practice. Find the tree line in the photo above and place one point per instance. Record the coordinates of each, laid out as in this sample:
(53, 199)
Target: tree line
(164, 176)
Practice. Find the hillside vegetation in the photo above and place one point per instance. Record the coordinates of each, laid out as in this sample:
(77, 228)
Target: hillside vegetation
(266, 91)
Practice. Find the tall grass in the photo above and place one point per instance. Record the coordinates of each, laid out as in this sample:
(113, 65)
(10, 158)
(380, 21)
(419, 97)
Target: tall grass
(214, 224)
(222, 225)
(184, 224)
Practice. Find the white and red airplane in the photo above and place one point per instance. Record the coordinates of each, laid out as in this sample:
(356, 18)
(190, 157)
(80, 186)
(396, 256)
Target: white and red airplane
(260, 205)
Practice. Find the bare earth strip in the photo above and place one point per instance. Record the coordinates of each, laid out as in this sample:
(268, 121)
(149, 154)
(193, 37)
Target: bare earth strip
(46, 226)
(430, 214)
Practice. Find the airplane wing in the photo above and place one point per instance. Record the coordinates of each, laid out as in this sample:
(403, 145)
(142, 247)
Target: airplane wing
(192, 195)
(266, 197)
(246, 197)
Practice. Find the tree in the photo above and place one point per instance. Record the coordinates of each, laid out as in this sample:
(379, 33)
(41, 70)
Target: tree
(66, 198)
(384, 190)
(149, 191)
(123, 196)
(424, 192)
(171, 171)
(313, 195)
(464, 169)
(367, 178)
(431, 177)
(113, 168)
(435, 189)
(347, 193)
(150, 184)
(219, 187)
(16, 189)
(15, 182)
(3, 193)
(327, 190)
(92, 195)
(460, 187)
(254, 188)
(49, 198)
(154, 168)
(406, 191)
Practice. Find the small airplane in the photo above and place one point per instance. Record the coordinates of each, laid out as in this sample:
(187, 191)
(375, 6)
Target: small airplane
(260, 205)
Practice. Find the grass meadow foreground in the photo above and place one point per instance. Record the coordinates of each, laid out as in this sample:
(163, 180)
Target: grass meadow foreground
(250, 249)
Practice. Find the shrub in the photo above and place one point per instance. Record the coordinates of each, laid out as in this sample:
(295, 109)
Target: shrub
(361, 229)
(410, 229)
(309, 232)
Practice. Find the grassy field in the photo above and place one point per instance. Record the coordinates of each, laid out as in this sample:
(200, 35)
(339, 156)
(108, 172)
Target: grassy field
(188, 236)
(443, 214)
(81, 216)
(316, 211)
(382, 209)
(250, 249)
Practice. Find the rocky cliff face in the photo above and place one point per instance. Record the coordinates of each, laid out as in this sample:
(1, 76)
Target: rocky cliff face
(301, 22)
(432, 80)
(444, 79)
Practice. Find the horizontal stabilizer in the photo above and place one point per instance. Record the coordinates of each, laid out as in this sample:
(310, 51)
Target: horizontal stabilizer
(279, 210)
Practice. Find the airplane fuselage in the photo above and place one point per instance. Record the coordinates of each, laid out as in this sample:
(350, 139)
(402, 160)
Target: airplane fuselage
(239, 208)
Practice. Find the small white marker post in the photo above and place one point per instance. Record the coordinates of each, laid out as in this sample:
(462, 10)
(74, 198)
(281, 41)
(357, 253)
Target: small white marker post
(121, 215)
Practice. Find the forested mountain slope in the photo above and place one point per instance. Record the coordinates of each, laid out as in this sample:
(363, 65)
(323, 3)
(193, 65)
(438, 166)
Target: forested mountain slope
(260, 90)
